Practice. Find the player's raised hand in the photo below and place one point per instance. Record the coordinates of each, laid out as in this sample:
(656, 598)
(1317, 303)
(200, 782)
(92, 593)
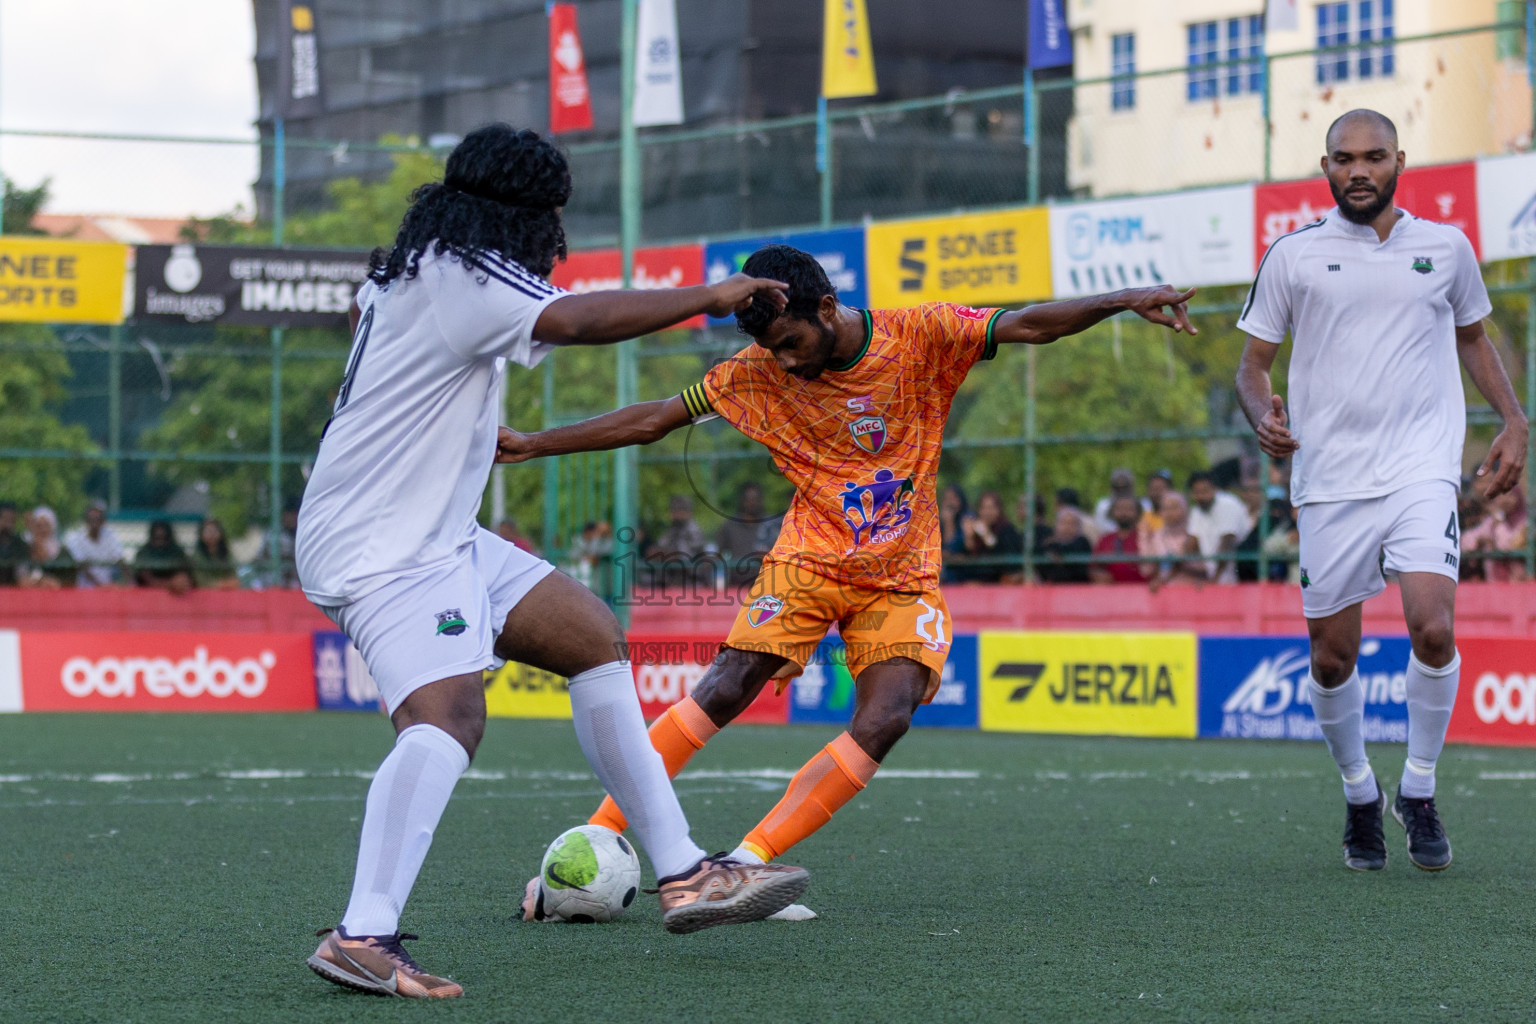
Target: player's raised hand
(1274, 433)
(736, 293)
(1505, 461)
(514, 446)
(1148, 304)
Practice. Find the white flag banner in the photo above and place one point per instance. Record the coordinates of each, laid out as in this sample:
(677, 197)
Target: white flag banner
(1282, 16)
(658, 69)
(1506, 206)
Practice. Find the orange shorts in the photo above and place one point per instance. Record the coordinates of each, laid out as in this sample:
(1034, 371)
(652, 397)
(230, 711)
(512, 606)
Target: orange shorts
(789, 610)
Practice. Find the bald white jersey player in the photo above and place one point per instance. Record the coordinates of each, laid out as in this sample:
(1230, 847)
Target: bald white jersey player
(1383, 309)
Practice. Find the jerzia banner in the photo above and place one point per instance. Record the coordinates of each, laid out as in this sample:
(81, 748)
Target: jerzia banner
(199, 284)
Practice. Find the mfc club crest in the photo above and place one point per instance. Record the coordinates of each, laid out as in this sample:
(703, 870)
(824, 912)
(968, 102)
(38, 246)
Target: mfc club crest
(762, 609)
(869, 433)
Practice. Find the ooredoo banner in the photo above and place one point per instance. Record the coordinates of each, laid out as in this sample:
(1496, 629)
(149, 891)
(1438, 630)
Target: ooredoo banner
(10, 671)
(1255, 687)
(668, 266)
(1184, 239)
(1496, 701)
(667, 668)
(1107, 684)
(167, 671)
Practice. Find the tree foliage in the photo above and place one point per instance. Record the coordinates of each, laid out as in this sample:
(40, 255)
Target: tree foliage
(33, 375)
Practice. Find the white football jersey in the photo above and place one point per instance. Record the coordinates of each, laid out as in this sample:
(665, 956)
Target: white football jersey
(1375, 397)
(404, 461)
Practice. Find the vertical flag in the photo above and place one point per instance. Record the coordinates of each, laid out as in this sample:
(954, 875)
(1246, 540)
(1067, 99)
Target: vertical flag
(1281, 16)
(847, 62)
(298, 61)
(570, 103)
(658, 67)
(1050, 40)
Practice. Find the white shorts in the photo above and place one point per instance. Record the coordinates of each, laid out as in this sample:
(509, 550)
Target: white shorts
(1343, 544)
(426, 626)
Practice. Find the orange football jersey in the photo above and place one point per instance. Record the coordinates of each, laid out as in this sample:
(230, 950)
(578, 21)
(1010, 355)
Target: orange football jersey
(861, 443)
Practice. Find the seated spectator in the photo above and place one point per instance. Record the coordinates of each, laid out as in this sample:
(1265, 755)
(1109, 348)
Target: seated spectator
(286, 572)
(740, 539)
(509, 531)
(1067, 498)
(1175, 545)
(1122, 484)
(590, 556)
(1471, 512)
(212, 566)
(1217, 520)
(49, 564)
(676, 555)
(1067, 541)
(992, 541)
(1125, 513)
(14, 551)
(1276, 544)
(953, 511)
(1158, 484)
(1043, 528)
(1503, 529)
(161, 563)
(96, 549)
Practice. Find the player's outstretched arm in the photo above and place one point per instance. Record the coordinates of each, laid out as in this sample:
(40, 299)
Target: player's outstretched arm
(640, 423)
(1044, 323)
(1507, 456)
(600, 318)
(1265, 409)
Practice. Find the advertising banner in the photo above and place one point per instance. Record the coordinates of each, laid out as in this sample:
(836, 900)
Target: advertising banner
(840, 253)
(1255, 687)
(667, 668)
(167, 671)
(1107, 684)
(824, 693)
(1184, 239)
(197, 284)
(847, 60)
(668, 266)
(1050, 39)
(570, 103)
(10, 671)
(1447, 193)
(299, 89)
(1506, 206)
(658, 65)
(51, 280)
(979, 259)
(342, 679)
(520, 691)
(1496, 701)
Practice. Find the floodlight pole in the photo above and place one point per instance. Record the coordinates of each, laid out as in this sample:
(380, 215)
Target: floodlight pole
(625, 467)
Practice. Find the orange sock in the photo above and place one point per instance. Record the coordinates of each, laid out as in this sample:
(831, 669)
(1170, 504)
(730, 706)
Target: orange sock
(828, 780)
(676, 735)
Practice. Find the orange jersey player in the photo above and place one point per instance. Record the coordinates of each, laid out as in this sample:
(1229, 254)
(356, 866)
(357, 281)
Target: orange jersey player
(852, 404)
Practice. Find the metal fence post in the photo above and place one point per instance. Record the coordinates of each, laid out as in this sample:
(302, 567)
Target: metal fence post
(824, 159)
(279, 180)
(1530, 385)
(551, 466)
(115, 417)
(625, 468)
(1031, 139)
(1269, 67)
(1029, 462)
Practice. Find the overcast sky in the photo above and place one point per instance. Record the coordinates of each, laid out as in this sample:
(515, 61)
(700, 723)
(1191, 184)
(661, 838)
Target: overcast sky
(163, 67)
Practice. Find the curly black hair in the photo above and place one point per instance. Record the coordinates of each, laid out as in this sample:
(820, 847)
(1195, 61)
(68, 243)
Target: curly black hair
(501, 192)
(807, 285)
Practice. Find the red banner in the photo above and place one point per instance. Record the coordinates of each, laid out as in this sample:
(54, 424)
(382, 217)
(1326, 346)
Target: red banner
(1496, 701)
(1446, 193)
(667, 668)
(570, 103)
(167, 671)
(669, 266)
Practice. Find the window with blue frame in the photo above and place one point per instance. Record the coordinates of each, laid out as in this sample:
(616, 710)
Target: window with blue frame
(1204, 53)
(1122, 69)
(1374, 23)
(1245, 38)
(1332, 30)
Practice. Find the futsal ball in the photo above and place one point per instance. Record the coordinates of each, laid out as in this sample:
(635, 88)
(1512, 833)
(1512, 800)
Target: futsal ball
(589, 874)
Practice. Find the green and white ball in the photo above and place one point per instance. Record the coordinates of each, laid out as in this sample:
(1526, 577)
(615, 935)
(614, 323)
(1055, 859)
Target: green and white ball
(589, 874)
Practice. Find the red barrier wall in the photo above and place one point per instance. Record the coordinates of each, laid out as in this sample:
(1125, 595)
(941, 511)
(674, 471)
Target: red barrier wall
(132, 611)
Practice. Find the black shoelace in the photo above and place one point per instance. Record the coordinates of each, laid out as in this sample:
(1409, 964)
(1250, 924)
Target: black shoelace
(1422, 820)
(1364, 830)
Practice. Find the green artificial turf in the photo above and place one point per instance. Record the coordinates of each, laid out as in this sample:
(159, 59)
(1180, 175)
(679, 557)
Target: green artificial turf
(1000, 878)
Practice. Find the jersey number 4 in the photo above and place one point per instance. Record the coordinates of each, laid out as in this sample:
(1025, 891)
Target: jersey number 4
(1453, 532)
(359, 343)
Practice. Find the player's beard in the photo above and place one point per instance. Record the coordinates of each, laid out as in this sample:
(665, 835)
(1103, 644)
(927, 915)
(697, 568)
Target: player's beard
(1369, 212)
(823, 352)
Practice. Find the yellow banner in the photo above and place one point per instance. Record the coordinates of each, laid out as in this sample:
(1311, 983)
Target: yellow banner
(1104, 684)
(53, 280)
(847, 62)
(979, 259)
(521, 691)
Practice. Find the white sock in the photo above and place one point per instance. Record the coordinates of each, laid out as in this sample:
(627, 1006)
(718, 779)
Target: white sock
(1339, 713)
(746, 856)
(612, 734)
(1431, 696)
(405, 802)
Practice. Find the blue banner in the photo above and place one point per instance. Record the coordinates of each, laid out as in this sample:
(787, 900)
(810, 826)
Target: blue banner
(824, 693)
(342, 681)
(1050, 40)
(1256, 688)
(840, 253)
